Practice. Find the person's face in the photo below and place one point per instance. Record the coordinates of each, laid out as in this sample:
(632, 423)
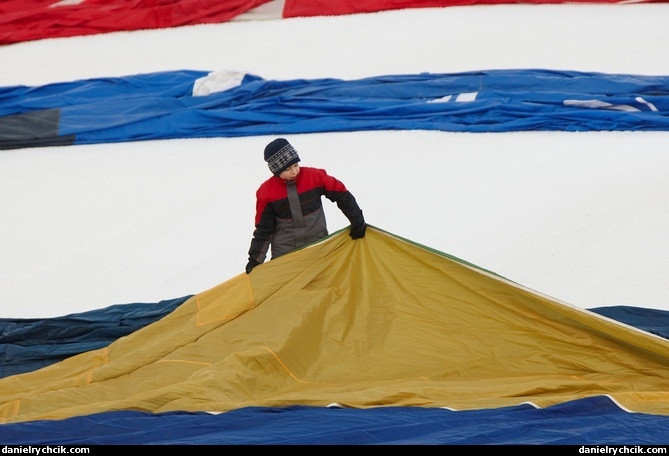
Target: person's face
(291, 172)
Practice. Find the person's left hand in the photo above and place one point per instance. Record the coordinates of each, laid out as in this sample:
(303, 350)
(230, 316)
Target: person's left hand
(358, 230)
(250, 265)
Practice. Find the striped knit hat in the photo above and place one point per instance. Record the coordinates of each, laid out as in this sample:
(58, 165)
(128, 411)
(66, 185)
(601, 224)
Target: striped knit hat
(280, 155)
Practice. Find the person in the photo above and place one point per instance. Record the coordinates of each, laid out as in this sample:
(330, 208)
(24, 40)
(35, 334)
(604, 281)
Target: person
(289, 207)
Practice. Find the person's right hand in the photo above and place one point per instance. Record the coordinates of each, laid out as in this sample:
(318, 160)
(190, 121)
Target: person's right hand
(250, 265)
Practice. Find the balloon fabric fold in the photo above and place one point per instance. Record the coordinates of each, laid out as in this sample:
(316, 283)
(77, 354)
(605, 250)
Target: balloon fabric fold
(374, 322)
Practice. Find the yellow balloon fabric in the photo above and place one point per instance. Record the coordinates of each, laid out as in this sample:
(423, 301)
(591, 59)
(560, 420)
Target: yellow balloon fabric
(378, 321)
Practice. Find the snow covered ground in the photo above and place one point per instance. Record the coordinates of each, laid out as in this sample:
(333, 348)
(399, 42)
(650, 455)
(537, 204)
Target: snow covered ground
(581, 217)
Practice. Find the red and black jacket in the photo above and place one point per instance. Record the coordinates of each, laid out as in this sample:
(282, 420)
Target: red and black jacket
(290, 215)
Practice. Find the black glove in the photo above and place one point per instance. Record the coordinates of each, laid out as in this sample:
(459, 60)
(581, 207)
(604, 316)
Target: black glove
(250, 265)
(358, 230)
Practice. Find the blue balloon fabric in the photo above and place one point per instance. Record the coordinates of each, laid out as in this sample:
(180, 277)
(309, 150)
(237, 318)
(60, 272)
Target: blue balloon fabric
(590, 421)
(166, 105)
(27, 344)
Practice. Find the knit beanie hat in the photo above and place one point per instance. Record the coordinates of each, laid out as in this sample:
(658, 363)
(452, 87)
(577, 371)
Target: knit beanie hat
(280, 155)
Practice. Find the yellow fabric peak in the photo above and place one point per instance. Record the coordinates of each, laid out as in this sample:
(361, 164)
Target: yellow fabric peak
(378, 321)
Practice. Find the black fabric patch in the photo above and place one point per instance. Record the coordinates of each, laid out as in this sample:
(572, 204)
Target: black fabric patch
(32, 129)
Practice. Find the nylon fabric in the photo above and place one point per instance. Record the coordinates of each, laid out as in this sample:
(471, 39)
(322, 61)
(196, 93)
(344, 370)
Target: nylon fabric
(162, 105)
(378, 321)
(29, 344)
(590, 421)
(27, 20)
(300, 8)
